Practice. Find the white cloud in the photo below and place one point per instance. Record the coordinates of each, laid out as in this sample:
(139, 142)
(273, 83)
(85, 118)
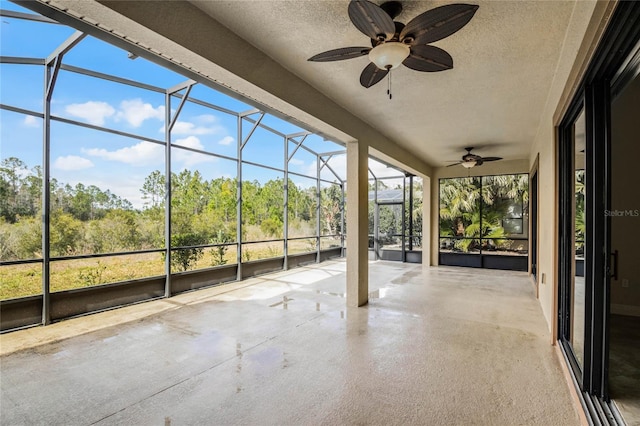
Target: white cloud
(190, 142)
(188, 128)
(95, 112)
(135, 112)
(227, 140)
(302, 183)
(339, 164)
(140, 154)
(151, 154)
(309, 169)
(72, 162)
(31, 121)
(188, 158)
(206, 118)
(381, 170)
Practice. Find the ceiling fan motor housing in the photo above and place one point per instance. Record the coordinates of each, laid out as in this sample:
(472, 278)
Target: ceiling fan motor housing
(393, 8)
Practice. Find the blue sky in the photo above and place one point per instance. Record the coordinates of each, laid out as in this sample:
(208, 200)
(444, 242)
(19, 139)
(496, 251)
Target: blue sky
(120, 163)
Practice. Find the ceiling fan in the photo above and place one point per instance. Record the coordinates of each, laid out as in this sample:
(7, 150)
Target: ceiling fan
(394, 43)
(470, 160)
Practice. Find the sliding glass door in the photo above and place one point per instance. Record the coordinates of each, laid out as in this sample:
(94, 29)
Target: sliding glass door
(588, 175)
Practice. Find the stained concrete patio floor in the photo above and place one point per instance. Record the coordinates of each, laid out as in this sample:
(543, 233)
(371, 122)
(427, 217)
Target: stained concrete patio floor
(433, 346)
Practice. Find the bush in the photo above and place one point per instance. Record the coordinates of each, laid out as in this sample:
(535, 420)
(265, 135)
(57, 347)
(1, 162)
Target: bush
(217, 253)
(20, 240)
(65, 234)
(117, 231)
(185, 259)
(272, 227)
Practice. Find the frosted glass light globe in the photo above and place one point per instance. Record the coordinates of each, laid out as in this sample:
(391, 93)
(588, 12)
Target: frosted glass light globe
(388, 56)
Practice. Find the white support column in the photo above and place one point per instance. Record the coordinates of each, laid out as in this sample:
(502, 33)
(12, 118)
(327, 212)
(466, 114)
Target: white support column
(357, 224)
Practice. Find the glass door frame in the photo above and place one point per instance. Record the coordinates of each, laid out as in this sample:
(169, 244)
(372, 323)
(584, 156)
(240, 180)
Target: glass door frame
(566, 267)
(533, 224)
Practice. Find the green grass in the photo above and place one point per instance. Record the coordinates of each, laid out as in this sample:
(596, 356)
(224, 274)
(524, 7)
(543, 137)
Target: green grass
(20, 280)
(26, 280)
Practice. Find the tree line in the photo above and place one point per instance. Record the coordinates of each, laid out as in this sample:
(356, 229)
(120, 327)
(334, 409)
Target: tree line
(87, 219)
(21, 195)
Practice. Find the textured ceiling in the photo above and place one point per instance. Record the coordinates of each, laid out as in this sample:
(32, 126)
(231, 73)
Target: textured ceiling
(504, 63)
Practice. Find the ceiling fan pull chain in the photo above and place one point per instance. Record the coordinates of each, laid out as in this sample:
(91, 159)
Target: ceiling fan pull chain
(389, 86)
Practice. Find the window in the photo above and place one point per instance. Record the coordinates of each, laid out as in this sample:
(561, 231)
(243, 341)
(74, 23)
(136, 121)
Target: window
(485, 217)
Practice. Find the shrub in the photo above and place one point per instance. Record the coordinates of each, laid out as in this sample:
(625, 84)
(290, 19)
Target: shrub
(185, 259)
(217, 253)
(65, 234)
(272, 227)
(92, 275)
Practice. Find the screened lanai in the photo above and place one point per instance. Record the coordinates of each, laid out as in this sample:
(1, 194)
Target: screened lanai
(395, 215)
(124, 180)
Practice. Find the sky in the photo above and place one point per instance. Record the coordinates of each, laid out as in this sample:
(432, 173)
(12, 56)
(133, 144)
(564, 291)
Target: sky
(119, 163)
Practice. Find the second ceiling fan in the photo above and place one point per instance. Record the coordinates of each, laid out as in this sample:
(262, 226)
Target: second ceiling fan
(394, 43)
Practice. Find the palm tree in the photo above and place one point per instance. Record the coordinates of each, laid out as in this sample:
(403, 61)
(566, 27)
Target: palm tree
(462, 200)
(580, 226)
(459, 202)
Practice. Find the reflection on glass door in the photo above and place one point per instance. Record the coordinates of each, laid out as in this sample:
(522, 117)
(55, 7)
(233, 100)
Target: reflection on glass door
(578, 287)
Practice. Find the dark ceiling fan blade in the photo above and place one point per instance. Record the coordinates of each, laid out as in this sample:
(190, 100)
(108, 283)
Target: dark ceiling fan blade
(438, 23)
(455, 164)
(340, 54)
(371, 75)
(485, 159)
(428, 59)
(371, 20)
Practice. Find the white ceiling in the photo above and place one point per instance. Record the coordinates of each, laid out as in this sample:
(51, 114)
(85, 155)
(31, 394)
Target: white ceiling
(504, 63)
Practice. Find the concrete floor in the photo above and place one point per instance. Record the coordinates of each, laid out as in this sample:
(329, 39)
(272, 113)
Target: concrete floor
(434, 346)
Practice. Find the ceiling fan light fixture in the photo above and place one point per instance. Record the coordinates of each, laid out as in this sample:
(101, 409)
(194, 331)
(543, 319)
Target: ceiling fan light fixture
(468, 164)
(390, 55)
